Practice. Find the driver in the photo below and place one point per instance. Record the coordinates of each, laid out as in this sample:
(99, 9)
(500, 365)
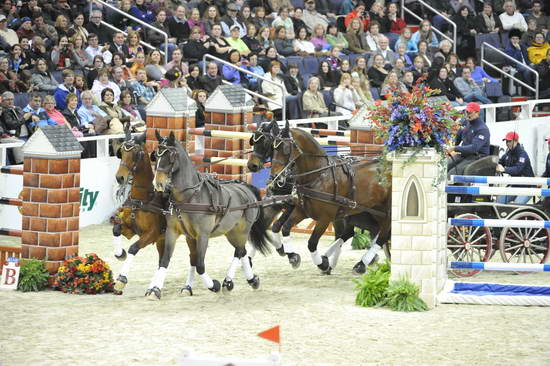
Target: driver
(472, 141)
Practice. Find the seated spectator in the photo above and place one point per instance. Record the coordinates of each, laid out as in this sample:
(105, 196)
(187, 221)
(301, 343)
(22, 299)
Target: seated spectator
(195, 21)
(81, 57)
(142, 11)
(177, 24)
(62, 26)
(34, 115)
(157, 39)
(211, 80)
(344, 67)
(97, 65)
(25, 29)
(336, 38)
(271, 55)
(406, 39)
(284, 46)
(118, 44)
(543, 68)
(219, 47)
(94, 26)
(445, 49)
(312, 17)
(541, 19)
(91, 116)
(385, 51)
(512, 19)
(478, 73)
(425, 33)
(469, 89)
(250, 39)
(313, 101)
(253, 66)
(236, 43)
(200, 97)
(376, 14)
(72, 120)
(456, 6)
(177, 61)
(17, 61)
(116, 116)
(445, 86)
(466, 32)
(362, 88)
(265, 40)
(319, 41)
(283, 20)
(76, 28)
(12, 125)
(538, 49)
(139, 63)
(373, 35)
(454, 67)
(346, 98)
(356, 37)
(529, 37)
(127, 104)
(377, 73)
(231, 19)
(425, 53)
(419, 69)
(63, 56)
(293, 80)
(119, 61)
(9, 35)
(305, 47)
(487, 21)
(334, 58)
(401, 52)
(119, 79)
(392, 85)
(408, 80)
(230, 73)
(399, 67)
(297, 20)
(64, 89)
(53, 113)
(123, 22)
(154, 67)
(261, 21)
(193, 77)
(329, 79)
(360, 13)
(46, 31)
(94, 49)
(518, 51)
(103, 82)
(145, 90)
(361, 67)
(397, 24)
(275, 93)
(134, 46)
(210, 17)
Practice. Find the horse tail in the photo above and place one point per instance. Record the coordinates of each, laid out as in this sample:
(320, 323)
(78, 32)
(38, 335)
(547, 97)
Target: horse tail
(258, 233)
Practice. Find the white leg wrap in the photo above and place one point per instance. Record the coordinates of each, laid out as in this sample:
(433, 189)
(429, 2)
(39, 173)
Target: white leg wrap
(117, 244)
(190, 276)
(316, 258)
(333, 260)
(369, 255)
(245, 263)
(232, 268)
(251, 251)
(287, 245)
(159, 277)
(126, 265)
(207, 280)
(336, 245)
(276, 240)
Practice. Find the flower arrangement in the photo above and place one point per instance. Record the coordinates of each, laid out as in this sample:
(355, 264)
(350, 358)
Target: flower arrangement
(409, 122)
(84, 275)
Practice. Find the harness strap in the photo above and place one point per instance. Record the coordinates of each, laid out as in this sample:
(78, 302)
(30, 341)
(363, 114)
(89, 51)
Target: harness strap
(221, 209)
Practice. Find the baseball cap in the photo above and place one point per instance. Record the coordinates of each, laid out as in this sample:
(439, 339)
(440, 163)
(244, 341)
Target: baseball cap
(472, 107)
(234, 27)
(511, 136)
(25, 19)
(2, 18)
(548, 139)
(232, 6)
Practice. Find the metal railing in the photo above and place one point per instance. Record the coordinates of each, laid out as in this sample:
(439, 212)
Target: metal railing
(447, 19)
(508, 57)
(278, 85)
(133, 18)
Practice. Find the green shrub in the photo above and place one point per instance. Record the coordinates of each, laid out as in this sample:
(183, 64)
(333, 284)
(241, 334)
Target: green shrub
(361, 239)
(402, 295)
(33, 276)
(372, 287)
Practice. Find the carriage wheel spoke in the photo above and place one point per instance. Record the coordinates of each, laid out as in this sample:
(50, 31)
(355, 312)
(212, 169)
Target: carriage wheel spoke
(515, 233)
(541, 247)
(479, 238)
(542, 238)
(460, 234)
(513, 247)
(476, 229)
(516, 252)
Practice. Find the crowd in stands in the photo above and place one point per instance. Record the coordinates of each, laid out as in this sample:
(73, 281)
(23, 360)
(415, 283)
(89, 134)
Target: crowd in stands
(60, 64)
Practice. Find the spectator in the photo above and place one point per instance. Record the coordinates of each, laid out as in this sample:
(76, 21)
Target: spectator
(445, 49)
(425, 53)
(356, 37)
(271, 55)
(94, 26)
(115, 114)
(236, 43)
(373, 35)
(103, 82)
(264, 39)
(134, 46)
(360, 13)
(293, 80)
(419, 68)
(29, 9)
(177, 25)
(408, 80)
(157, 39)
(283, 20)
(328, 79)
(260, 20)
(487, 21)
(334, 59)
(210, 17)
(73, 120)
(34, 115)
(91, 116)
(336, 38)
(155, 69)
(18, 63)
(401, 52)
(120, 80)
(529, 37)
(362, 87)
(453, 66)
(118, 44)
(377, 73)
(25, 29)
(43, 80)
(122, 21)
(76, 28)
(64, 89)
(385, 51)
(45, 31)
(346, 98)
(53, 113)
(81, 57)
(392, 85)
(541, 19)
(193, 77)
(406, 39)
(94, 49)
(297, 21)
(538, 49)
(456, 6)
(445, 86)
(127, 104)
(253, 66)
(219, 47)
(12, 125)
(478, 73)
(62, 55)
(195, 21)
(139, 63)
(245, 15)
(177, 61)
(311, 17)
(284, 46)
(543, 68)
(313, 100)
(250, 40)
(318, 39)
(512, 19)
(7, 34)
(80, 83)
(230, 73)
(305, 47)
(397, 24)
(142, 11)
(275, 93)
(97, 65)
(200, 97)
(62, 26)
(211, 80)
(377, 14)
(344, 67)
(145, 90)
(119, 61)
(425, 33)
(231, 19)
(466, 32)
(518, 51)
(361, 67)
(469, 89)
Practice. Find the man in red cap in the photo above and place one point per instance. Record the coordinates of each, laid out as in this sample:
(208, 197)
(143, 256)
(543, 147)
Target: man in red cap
(472, 142)
(516, 163)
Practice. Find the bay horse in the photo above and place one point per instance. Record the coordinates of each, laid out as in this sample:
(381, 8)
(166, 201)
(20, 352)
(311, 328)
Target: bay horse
(332, 187)
(142, 213)
(201, 207)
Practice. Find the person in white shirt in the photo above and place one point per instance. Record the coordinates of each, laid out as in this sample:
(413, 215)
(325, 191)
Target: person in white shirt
(512, 19)
(9, 35)
(311, 17)
(94, 49)
(103, 82)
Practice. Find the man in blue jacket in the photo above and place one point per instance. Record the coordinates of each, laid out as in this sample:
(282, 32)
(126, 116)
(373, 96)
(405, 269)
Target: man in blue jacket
(516, 163)
(472, 142)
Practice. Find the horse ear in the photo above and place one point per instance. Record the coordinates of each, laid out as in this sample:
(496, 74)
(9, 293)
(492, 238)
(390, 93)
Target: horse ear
(153, 156)
(157, 134)
(286, 130)
(275, 130)
(172, 138)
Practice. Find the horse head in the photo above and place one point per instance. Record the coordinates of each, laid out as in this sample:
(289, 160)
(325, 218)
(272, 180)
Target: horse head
(262, 142)
(284, 154)
(131, 154)
(167, 161)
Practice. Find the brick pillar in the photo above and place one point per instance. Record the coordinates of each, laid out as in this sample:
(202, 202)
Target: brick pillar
(363, 142)
(51, 208)
(176, 122)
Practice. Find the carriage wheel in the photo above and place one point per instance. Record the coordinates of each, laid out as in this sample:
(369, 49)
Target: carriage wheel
(523, 245)
(469, 243)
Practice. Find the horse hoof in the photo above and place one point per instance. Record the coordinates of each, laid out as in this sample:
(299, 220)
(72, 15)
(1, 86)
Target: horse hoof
(324, 266)
(227, 286)
(359, 268)
(254, 282)
(120, 283)
(153, 293)
(186, 290)
(216, 286)
(281, 251)
(294, 259)
(122, 256)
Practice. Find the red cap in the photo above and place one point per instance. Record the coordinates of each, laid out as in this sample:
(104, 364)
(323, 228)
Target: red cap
(472, 107)
(548, 139)
(511, 136)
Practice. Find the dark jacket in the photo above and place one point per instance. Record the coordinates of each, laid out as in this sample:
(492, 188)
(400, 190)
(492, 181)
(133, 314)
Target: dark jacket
(178, 29)
(481, 27)
(12, 120)
(72, 118)
(104, 34)
(447, 88)
(543, 68)
(284, 47)
(193, 51)
(475, 139)
(292, 86)
(209, 84)
(516, 162)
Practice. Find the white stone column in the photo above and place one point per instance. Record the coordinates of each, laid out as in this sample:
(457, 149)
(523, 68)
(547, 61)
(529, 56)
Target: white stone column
(419, 223)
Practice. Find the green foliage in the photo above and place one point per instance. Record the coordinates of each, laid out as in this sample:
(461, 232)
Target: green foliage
(361, 239)
(402, 295)
(33, 276)
(372, 288)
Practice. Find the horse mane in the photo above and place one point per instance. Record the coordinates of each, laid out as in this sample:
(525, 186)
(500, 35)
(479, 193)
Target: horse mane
(307, 143)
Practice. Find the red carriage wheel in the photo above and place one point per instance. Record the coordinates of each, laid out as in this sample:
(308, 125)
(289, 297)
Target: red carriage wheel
(468, 244)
